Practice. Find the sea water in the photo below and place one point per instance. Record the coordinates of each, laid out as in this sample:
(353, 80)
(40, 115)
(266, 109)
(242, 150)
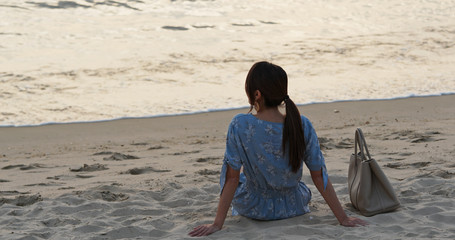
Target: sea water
(94, 60)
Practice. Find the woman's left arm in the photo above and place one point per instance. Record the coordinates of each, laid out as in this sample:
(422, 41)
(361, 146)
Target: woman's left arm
(232, 180)
(331, 199)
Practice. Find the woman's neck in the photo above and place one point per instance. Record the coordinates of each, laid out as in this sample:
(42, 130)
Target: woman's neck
(271, 114)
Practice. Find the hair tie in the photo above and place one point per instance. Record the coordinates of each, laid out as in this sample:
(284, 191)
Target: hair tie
(286, 98)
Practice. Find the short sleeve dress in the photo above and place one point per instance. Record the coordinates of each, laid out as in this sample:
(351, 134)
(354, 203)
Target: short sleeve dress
(268, 189)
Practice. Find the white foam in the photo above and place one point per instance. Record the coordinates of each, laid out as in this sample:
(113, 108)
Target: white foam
(215, 110)
(65, 64)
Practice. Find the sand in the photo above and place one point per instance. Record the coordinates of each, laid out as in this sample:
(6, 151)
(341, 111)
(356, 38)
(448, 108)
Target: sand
(156, 178)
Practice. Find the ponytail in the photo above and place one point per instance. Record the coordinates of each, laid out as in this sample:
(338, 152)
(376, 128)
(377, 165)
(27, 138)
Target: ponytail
(272, 81)
(293, 135)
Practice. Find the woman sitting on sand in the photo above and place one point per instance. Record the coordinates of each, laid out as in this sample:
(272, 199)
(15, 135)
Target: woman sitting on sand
(271, 147)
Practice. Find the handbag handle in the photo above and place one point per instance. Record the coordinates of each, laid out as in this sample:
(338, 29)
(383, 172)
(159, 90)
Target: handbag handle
(360, 141)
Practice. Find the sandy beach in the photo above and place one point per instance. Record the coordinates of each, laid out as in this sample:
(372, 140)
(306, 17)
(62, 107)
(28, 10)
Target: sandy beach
(156, 178)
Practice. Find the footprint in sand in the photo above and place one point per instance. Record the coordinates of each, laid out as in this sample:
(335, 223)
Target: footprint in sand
(415, 137)
(405, 154)
(32, 166)
(119, 157)
(12, 193)
(175, 28)
(207, 159)
(156, 147)
(446, 174)
(22, 200)
(329, 143)
(24, 167)
(84, 176)
(137, 171)
(43, 184)
(419, 164)
(345, 143)
(198, 142)
(113, 197)
(105, 195)
(326, 143)
(206, 172)
(13, 166)
(418, 138)
(184, 153)
(103, 153)
(268, 22)
(399, 165)
(90, 168)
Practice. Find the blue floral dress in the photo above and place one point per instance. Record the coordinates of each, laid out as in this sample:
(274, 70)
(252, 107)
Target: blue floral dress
(268, 189)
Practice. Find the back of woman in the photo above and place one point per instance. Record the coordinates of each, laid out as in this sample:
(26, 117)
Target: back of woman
(268, 187)
(271, 147)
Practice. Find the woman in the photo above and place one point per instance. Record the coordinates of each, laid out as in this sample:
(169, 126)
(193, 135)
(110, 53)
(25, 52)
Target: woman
(271, 147)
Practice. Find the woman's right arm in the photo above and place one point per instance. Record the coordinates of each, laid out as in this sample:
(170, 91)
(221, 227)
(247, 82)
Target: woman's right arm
(232, 180)
(331, 199)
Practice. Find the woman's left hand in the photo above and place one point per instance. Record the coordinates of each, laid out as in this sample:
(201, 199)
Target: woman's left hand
(353, 222)
(204, 230)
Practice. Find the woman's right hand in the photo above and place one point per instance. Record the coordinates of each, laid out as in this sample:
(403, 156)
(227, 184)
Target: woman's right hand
(204, 230)
(353, 222)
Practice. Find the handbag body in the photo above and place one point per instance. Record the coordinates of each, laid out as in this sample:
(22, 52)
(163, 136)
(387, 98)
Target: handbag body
(369, 189)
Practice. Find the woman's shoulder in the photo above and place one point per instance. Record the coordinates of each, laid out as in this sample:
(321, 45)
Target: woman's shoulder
(245, 118)
(306, 123)
(305, 119)
(240, 120)
(241, 116)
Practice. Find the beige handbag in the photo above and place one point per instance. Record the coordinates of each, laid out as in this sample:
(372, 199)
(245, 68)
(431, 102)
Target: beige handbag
(369, 189)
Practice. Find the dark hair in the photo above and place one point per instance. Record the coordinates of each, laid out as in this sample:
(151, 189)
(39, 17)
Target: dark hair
(272, 81)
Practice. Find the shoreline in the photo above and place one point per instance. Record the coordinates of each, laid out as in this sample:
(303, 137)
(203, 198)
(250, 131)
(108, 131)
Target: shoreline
(222, 110)
(158, 177)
